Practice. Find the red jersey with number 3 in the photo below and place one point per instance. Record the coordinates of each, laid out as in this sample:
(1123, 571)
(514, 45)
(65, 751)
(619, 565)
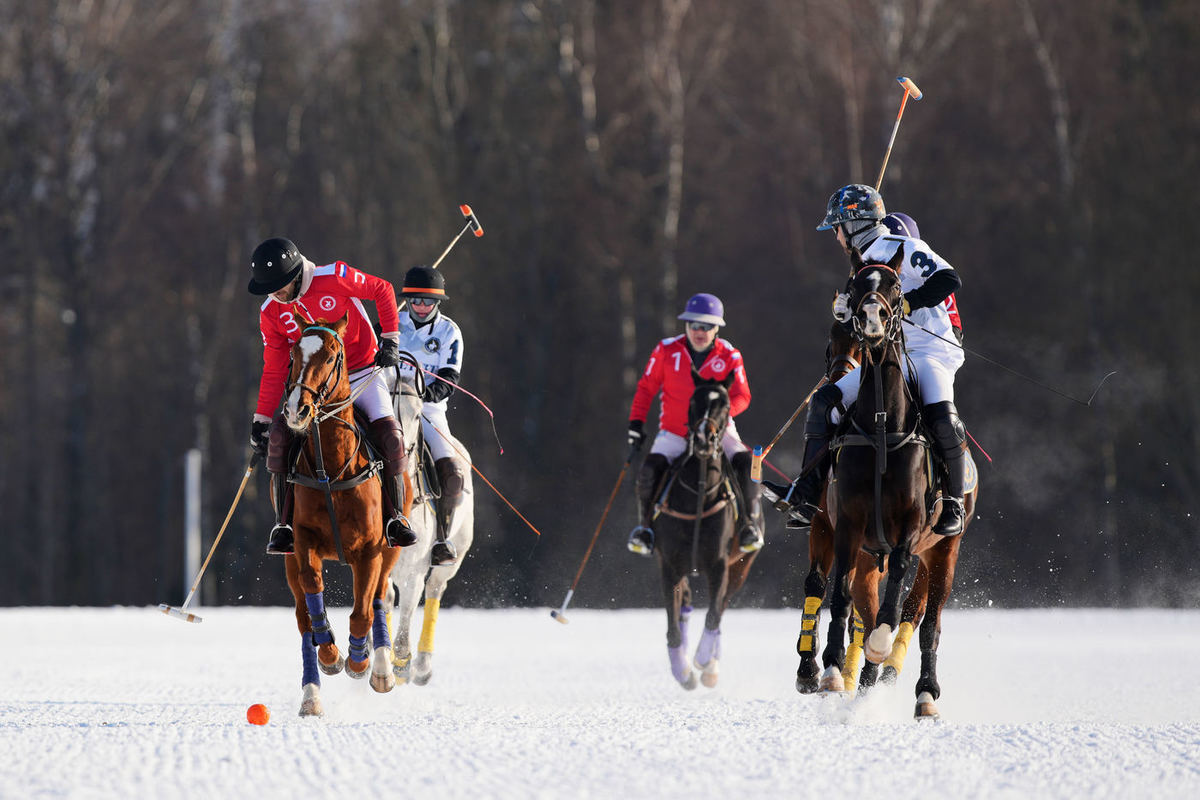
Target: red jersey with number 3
(670, 370)
(336, 290)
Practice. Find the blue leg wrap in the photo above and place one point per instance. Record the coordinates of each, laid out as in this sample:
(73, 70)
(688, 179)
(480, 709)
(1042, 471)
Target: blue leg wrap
(308, 657)
(322, 633)
(379, 631)
(358, 648)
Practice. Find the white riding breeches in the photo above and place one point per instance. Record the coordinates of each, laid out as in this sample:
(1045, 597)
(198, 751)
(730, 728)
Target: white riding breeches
(433, 425)
(934, 377)
(374, 400)
(672, 445)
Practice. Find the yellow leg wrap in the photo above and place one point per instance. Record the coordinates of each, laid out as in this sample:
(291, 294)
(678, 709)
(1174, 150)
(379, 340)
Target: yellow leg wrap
(900, 648)
(808, 624)
(429, 625)
(854, 654)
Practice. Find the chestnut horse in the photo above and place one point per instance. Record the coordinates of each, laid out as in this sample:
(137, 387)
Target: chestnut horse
(337, 515)
(693, 532)
(878, 501)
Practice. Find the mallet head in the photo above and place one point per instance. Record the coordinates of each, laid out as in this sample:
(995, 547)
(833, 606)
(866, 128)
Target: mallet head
(179, 613)
(472, 220)
(909, 86)
(560, 615)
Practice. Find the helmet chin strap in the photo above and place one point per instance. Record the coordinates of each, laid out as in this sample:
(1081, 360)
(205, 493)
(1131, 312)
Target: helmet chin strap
(866, 232)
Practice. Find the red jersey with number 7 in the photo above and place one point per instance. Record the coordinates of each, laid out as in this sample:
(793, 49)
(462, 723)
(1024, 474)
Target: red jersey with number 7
(670, 370)
(336, 290)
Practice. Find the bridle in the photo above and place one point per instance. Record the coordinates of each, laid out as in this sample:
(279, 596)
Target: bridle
(320, 394)
(705, 435)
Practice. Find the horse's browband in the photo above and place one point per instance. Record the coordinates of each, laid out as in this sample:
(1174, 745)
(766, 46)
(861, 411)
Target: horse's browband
(336, 335)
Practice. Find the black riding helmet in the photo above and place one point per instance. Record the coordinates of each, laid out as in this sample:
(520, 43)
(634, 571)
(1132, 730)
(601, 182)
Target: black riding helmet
(275, 263)
(424, 282)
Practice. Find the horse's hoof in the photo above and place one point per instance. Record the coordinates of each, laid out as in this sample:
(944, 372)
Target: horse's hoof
(383, 683)
(356, 672)
(311, 705)
(878, 646)
(926, 708)
(831, 681)
(422, 678)
(889, 675)
(709, 679)
(806, 685)
(689, 682)
(334, 668)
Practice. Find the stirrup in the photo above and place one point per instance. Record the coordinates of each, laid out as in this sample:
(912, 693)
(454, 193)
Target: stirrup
(283, 542)
(750, 540)
(641, 541)
(399, 533)
(443, 553)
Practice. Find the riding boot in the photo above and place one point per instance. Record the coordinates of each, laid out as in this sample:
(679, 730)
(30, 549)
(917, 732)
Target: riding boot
(283, 541)
(641, 538)
(949, 434)
(279, 445)
(804, 496)
(750, 534)
(387, 438)
(450, 477)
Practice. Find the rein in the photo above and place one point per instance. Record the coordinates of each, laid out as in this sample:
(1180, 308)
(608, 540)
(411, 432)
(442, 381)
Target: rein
(881, 439)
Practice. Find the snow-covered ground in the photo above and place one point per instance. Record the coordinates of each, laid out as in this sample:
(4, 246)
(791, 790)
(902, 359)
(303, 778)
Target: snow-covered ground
(125, 702)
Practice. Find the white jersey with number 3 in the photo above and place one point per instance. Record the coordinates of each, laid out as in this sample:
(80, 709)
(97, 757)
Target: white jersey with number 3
(436, 345)
(918, 263)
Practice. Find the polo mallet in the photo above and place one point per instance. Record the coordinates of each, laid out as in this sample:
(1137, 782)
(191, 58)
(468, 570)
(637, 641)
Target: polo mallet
(910, 88)
(472, 225)
(560, 614)
(181, 612)
(760, 452)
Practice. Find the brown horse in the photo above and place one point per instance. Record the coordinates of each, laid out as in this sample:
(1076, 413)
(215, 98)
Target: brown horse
(337, 515)
(878, 502)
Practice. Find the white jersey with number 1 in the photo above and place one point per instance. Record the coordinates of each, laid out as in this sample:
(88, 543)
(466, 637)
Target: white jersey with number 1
(436, 345)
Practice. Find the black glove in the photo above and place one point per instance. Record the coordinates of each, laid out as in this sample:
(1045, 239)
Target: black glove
(388, 355)
(636, 436)
(260, 437)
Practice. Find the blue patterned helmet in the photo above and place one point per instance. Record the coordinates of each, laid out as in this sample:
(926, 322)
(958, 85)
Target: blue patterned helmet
(704, 308)
(853, 202)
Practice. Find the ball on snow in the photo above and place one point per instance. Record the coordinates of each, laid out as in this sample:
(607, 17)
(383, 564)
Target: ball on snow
(258, 714)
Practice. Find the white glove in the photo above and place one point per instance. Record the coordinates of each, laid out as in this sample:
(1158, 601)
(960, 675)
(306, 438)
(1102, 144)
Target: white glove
(841, 307)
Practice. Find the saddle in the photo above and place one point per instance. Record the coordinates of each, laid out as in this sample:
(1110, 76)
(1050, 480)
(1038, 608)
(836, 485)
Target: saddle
(935, 468)
(727, 491)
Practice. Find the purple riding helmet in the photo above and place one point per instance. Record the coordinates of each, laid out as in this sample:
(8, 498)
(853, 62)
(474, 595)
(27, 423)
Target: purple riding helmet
(704, 308)
(901, 224)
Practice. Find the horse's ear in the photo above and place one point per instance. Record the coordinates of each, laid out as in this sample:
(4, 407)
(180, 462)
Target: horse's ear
(340, 325)
(897, 260)
(696, 375)
(729, 379)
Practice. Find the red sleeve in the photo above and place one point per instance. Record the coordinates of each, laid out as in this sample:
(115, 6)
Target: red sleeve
(276, 361)
(648, 385)
(370, 287)
(739, 392)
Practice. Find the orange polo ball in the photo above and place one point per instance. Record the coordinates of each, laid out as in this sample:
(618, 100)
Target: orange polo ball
(258, 714)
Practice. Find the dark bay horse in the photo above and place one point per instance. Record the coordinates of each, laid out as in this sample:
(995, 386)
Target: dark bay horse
(878, 502)
(693, 532)
(337, 515)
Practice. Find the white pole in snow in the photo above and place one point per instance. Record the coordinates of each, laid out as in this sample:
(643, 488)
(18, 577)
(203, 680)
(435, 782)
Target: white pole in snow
(191, 517)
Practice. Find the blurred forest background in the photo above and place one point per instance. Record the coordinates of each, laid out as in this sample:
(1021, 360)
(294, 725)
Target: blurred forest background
(621, 157)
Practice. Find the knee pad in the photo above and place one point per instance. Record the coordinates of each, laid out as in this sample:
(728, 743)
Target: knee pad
(451, 476)
(827, 398)
(652, 469)
(278, 446)
(386, 435)
(945, 424)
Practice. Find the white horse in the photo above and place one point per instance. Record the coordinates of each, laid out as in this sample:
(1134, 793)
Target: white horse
(414, 570)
